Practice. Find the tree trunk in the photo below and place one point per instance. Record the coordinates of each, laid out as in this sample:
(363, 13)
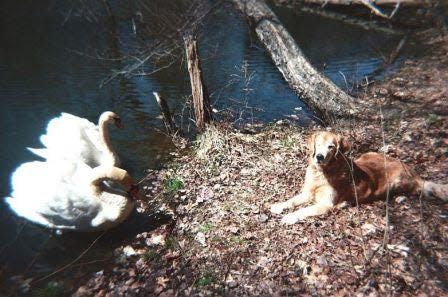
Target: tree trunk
(201, 103)
(314, 89)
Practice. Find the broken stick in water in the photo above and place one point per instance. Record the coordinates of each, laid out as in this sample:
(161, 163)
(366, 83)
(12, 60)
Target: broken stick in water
(170, 125)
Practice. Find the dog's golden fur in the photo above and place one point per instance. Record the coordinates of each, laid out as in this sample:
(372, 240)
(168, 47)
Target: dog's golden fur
(332, 178)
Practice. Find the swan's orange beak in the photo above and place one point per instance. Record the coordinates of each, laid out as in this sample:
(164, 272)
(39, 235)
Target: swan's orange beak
(135, 194)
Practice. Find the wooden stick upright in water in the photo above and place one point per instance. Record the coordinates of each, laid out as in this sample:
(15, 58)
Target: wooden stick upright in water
(201, 103)
(166, 115)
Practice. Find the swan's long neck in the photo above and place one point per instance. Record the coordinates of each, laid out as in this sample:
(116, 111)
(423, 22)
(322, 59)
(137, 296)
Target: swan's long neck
(105, 141)
(116, 206)
(118, 175)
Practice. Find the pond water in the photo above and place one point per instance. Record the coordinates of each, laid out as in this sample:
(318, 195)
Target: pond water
(48, 66)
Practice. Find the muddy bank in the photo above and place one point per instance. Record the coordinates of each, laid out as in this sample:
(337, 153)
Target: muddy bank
(223, 240)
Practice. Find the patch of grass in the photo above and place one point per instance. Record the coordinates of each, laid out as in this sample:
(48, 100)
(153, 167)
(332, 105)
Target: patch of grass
(205, 280)
(216, 239)
(241, 208)
(173, 184)
(171, 243)
(227, 207)
(205, 227)
(288, 142)
(432, 119)
(51, 289)
(149, 255)
(235, 239)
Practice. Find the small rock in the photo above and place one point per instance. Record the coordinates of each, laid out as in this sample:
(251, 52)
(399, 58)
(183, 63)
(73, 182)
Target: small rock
(402, 95)
(400, 199)
(232, 284)
(386, 149)
(140, 263)
(322, 261)
(200, 237)
(234, 230)
(372, 283)
(262, 218)
(294, 117)
(245, 171)
(255, 209)
(383, 91)
(408, 137)
(156, 240)
(302, 267)
(129, 251)
(82, 291)
(399, 249)
(368, 229)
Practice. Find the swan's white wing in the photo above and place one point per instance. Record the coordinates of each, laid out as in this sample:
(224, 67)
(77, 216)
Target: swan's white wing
(54, 194)
(71, 138)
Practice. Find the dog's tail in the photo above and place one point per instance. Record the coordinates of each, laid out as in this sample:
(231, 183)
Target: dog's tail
(431, 189)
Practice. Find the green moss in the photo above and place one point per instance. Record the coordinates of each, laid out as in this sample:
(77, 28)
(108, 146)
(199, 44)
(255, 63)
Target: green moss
(174, 184)
(205, 280)
(205, 227)
(51, 289)
(149, 255)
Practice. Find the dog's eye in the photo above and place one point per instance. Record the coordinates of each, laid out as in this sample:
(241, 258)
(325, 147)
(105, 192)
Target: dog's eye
(331, 146)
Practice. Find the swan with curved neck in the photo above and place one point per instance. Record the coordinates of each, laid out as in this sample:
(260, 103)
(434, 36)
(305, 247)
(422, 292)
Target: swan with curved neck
(106, 118)
(76, 139)
(72, 196)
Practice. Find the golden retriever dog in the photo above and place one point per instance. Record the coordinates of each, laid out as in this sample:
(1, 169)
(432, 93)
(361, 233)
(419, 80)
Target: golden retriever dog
(332, 178)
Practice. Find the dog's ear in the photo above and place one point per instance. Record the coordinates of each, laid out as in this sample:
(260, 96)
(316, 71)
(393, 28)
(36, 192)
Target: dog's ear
(311, 146)
(343, 145)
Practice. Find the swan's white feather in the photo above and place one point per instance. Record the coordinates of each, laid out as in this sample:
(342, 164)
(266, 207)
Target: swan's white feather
(71, 138)
(59, 195)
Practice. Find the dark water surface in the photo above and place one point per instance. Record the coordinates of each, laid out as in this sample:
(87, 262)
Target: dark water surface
(47, 66)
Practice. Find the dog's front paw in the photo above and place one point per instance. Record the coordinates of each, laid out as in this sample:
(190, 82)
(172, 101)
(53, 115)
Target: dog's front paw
(290, 219)
(277, 208)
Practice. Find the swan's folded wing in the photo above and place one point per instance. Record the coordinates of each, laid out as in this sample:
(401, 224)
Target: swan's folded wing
(68, 137)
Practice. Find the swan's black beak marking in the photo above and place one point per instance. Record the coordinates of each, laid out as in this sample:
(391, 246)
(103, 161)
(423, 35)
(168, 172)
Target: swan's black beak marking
(118, 123)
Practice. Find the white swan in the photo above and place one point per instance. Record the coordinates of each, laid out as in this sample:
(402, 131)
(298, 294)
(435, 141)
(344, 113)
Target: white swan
(66, 195)
(76, 139)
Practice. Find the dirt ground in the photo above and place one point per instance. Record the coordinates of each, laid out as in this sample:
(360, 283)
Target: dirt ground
(222, 239)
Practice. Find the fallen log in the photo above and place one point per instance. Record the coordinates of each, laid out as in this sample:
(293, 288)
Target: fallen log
(359, 22)
(201, 102)
(314, 89)
(374, 2)
(373, 5)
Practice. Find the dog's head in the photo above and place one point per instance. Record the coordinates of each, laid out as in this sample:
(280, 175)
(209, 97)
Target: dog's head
(325, 147)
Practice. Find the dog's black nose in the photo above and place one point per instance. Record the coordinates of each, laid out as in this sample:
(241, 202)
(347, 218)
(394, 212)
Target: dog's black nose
(320, 157)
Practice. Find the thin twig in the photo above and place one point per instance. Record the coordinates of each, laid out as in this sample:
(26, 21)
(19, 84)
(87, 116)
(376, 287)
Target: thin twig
(386, 230)
(72, 262)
